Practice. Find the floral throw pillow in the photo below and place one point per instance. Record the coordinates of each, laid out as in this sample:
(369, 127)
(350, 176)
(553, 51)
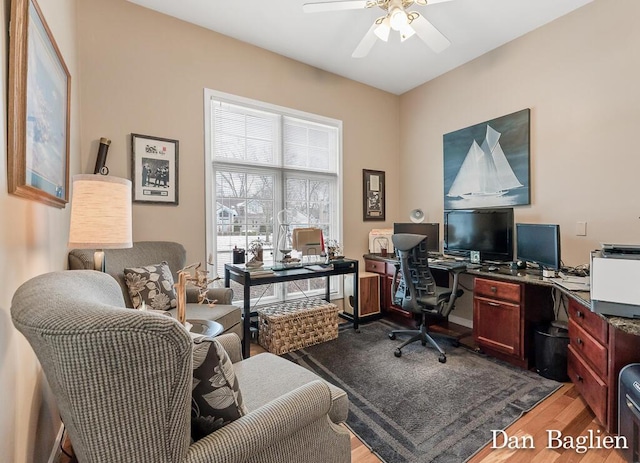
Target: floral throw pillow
(152, 285)
(215, 398)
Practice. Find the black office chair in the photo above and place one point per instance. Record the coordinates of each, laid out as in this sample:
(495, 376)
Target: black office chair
(417, 291)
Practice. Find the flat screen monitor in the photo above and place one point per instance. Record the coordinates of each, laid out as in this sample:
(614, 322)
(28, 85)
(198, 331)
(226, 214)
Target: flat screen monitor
(488, 231)
(431, 230)
(539, 244)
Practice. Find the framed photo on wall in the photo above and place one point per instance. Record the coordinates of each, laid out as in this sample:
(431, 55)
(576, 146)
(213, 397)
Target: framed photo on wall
(373, 194)
(38, 116)
(154, 170)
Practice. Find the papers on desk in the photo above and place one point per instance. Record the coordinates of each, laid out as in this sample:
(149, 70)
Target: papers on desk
(319, 268)
(261, 272)
(572, 283)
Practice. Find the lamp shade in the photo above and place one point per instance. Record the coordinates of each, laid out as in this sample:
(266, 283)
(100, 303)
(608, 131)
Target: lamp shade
(100, 212)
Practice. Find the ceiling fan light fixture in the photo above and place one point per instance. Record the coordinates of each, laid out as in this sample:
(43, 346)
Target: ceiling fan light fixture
(398, 18)
(383, 30)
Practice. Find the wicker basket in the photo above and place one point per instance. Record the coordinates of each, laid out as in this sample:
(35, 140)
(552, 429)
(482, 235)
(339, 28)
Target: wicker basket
(293, 325)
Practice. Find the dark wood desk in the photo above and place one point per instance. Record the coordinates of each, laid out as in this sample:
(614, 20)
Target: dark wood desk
(240, 274)
(509, 303)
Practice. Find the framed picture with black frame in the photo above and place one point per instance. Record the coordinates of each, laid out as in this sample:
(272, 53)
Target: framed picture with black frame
(154, 169)
(373, 194)
(39, 98)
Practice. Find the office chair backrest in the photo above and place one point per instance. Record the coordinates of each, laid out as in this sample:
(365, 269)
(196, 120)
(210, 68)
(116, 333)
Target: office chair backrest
(417, 280)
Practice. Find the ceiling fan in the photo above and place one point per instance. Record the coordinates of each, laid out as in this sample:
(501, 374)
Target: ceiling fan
(396, 18)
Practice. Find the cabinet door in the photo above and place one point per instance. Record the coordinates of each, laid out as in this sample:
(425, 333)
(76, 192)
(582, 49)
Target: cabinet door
(496, 325)
(369, 301)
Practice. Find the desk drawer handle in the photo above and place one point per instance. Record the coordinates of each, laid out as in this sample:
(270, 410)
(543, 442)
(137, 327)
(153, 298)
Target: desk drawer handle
(579, 378)
(494, 289)
(579, 314)
(579, 341)
(493, 304)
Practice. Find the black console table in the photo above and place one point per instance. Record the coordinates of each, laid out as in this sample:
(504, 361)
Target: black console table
(240, 274)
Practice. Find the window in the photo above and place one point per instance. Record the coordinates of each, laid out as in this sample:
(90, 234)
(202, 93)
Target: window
(263, 159)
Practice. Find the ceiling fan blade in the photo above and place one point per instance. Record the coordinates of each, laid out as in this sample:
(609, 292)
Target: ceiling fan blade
(366, 43)
(430, 2)
(428, 32)
(333, 6)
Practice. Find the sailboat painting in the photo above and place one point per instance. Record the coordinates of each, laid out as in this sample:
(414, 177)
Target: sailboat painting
(487, 164)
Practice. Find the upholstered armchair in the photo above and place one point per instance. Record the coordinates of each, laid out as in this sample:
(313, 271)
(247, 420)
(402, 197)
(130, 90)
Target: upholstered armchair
(145, 253)
(122, 380)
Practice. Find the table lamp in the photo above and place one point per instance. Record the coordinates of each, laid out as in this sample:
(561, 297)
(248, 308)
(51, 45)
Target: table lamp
(100, 215)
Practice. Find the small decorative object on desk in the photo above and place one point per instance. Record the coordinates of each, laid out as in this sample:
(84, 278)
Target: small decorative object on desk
(334, 250)
(256, 252)
(381, 244)
(200, 280)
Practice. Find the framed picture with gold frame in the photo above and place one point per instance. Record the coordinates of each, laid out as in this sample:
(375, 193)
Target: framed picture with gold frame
(38, 116)
(373, 196)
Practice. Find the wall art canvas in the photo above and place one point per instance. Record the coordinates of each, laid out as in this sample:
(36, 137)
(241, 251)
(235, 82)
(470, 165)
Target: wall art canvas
(487, 164)
(38, 109)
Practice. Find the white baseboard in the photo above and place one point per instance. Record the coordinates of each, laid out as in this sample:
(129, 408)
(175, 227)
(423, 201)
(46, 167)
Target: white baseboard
(55, 451)
(461, 321)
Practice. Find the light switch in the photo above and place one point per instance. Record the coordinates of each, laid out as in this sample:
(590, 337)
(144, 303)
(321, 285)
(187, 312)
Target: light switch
(581, 228)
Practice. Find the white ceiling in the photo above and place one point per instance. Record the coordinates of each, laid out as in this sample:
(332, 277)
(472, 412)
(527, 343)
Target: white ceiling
(326, 40)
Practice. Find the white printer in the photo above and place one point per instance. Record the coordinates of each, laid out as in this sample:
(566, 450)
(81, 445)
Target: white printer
(615, 280)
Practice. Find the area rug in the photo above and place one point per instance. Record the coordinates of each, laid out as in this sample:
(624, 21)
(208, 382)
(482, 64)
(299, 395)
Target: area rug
(414, 409)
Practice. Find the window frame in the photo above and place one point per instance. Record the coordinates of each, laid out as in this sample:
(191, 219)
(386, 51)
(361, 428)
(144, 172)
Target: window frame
(283, 172)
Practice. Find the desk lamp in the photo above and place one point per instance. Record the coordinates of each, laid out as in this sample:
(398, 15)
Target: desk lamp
(100, 215)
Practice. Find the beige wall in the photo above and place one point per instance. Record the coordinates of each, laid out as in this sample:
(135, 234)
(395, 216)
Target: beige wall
(579, 75)
(33, 240)
(144, 72)
(141, 72)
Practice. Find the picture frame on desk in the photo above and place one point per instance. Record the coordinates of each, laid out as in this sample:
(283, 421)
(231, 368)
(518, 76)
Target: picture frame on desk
(373, 195)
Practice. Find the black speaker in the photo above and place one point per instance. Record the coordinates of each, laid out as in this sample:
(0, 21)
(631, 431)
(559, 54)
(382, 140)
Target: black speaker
(101, 159)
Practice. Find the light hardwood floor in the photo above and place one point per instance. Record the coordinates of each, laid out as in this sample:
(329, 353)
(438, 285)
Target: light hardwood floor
(564, 410)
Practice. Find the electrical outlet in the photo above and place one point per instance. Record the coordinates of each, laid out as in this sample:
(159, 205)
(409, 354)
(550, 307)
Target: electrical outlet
(581, 228)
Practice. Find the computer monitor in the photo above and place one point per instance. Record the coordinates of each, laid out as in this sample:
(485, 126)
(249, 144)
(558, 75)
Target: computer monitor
(539, 244)
(488, 231)
(431, 230)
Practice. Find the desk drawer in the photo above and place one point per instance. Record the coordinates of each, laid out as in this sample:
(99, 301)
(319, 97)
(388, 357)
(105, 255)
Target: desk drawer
(494, 289)
(590, 349)
(374, 266)
(592, 323)
(588, 384)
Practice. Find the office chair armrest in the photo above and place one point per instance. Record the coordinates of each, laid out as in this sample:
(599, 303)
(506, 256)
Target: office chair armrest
(455, 292)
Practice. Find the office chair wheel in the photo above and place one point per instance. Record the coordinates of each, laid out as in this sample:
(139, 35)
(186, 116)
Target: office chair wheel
(397, 353)
(392, 336)
(442, 358)
(424, 343)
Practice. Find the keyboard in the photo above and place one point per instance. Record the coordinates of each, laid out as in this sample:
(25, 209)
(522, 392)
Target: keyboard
(451, 264)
